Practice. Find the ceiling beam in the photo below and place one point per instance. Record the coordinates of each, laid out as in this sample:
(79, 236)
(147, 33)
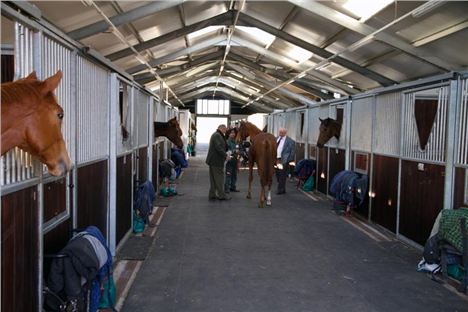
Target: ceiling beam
(350, 23)
(294, 65)
(281, 75)
(174, 55)
(384, 81)
(229, 80)
(221, 19)
(147, 77)
(227, 91)
(288, 93)
(120, 19)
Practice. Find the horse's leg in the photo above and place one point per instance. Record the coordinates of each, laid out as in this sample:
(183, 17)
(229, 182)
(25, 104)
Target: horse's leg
(262, 197)
(269, 195)
(249, 195)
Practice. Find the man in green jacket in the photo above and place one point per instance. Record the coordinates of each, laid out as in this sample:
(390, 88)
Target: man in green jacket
(215, 159)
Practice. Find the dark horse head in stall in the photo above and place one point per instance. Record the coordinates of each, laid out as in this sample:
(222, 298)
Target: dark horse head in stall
(170, 130)
(328, 128)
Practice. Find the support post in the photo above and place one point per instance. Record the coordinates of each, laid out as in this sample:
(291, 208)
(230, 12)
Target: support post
(454, 104)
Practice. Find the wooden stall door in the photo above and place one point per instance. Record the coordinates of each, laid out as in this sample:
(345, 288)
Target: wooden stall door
(300, 152)
(142, 165)
(154, 174)
(20, 251)
(322, 174)
(337, 163)
(92, 196)
(460, 188)
(385, 187)
(422, 195)
(124, 196)
(55, 199)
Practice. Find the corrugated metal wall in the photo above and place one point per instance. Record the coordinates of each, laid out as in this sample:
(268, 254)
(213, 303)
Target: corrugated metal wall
(141, 117)
(387, 124)
(93, 111)
(361, 124)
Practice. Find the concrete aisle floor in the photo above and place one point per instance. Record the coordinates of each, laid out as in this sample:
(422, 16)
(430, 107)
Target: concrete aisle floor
(295, 256)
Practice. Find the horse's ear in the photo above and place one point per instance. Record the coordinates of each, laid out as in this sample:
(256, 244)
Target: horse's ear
(51, 83)
(31, 76)
(321, 120)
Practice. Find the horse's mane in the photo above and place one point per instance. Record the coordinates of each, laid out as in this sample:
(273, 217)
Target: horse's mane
(161, 125)
(13, 93)
(16, 94)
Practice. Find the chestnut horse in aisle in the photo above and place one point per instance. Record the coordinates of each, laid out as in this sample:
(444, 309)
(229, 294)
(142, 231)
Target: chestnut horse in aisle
(263, 153)
(328, 128)
(31, 120)
(170, 130)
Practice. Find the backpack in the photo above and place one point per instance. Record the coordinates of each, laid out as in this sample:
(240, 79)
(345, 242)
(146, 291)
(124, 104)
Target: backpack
(431, 250)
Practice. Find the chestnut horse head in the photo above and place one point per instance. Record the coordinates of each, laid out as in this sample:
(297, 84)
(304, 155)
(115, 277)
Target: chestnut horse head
(328, 128)
(31, 120)
(170, 130)
(246, 129)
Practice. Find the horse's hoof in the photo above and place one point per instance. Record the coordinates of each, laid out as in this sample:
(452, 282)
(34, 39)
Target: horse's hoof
(249, 196)
(268, 203)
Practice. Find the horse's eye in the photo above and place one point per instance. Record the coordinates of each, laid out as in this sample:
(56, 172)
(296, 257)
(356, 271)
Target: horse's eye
(60, 115)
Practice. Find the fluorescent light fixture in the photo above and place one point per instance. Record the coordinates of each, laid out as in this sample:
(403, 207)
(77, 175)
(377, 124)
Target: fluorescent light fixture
(203, 31)
(301, 75)
(299, 54)
(426, 8)
(141, 59)
(321, 66)
(259, 35)
(360, 43)
(365, 9)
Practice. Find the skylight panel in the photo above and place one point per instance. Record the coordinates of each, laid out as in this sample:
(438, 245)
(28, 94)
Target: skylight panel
(365, 9)
(203, 31)
(259, 35)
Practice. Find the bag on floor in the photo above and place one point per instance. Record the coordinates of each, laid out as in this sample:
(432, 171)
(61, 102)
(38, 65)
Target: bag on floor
(108, 296)
(431, 250)
(309, 184)
(138, 223)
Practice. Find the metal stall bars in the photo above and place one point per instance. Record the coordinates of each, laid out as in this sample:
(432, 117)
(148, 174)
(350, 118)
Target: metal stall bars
(60, 56)
(461, 143)
(17, 165)
(93, 111)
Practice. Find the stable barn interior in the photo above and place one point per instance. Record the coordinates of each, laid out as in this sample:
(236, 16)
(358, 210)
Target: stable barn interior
(399, 89)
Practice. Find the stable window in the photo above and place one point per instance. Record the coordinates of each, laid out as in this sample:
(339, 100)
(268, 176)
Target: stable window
(301, 124)
(361, 162)
(213, 107)
(123, 110)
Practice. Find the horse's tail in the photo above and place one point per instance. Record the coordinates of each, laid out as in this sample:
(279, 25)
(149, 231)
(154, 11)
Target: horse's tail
(268, 161)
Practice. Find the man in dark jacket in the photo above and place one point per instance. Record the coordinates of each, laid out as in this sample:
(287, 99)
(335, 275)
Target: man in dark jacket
(215, 159)
(232, 164)
(285, 153)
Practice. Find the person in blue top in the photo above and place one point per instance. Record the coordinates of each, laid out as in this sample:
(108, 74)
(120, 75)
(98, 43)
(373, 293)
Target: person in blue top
(232, 165)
